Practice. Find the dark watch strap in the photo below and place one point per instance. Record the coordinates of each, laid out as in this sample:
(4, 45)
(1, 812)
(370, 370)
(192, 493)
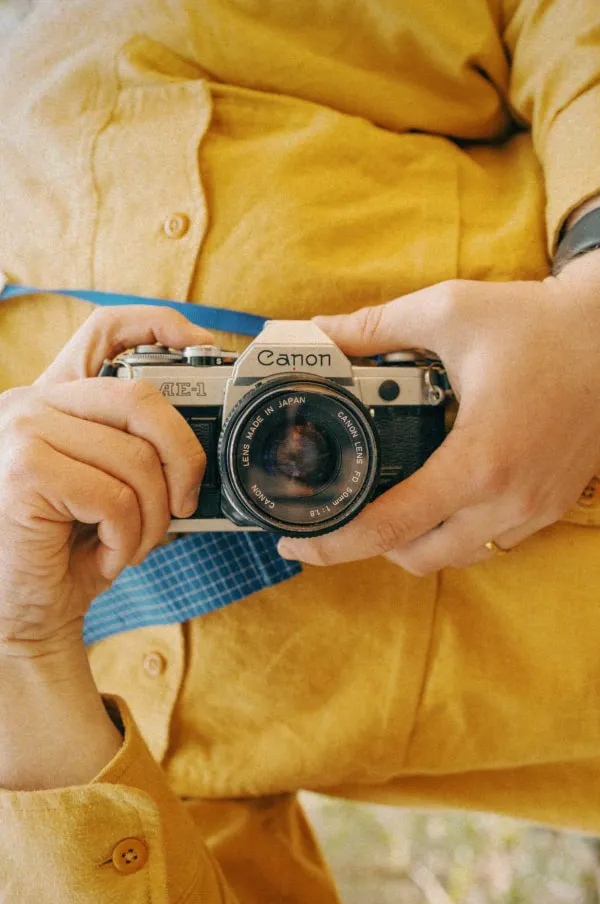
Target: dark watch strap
(582, 237)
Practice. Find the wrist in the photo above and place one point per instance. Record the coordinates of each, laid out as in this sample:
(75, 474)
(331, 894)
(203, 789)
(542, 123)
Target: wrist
(59, 646)
(44, 662)
(54, 728)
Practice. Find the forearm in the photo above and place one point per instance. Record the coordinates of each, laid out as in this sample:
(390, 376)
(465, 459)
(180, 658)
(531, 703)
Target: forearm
(54, 729)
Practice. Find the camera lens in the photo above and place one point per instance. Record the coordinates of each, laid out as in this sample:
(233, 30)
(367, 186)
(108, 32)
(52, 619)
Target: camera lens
(303, 454)
(298, 456)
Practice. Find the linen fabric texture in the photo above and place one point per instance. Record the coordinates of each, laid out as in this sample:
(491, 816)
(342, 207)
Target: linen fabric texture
(325, 155)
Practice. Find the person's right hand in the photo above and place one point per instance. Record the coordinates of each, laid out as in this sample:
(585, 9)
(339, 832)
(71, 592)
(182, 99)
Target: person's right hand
(91, 470)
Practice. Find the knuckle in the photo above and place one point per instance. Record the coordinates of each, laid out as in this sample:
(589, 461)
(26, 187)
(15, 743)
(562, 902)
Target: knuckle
(369, 323)
(450, 294)
(123, 500)
(104, 318)
(19, 408)
(103, 324)
(527, 506)
(22, 423)
(496, 479)
(21, 449)
(22, 460)
(104, 327)
(530, 503)
(13, 396)
(144, 393)
(195, 456)
(143, 455)
(387, 534)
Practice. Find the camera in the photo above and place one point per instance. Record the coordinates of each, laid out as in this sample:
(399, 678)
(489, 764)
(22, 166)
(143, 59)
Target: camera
(298, 437)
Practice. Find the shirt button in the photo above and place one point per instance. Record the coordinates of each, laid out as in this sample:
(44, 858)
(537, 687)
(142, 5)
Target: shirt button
(176, 225)
(130, 855)
(591, 495)
(154, 664)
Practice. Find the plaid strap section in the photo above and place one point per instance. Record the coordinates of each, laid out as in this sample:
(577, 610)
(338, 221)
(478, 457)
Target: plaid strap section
(193, 575)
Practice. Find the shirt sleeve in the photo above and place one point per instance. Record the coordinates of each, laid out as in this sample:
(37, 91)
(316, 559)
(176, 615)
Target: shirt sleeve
(124, 837)
(555, 89)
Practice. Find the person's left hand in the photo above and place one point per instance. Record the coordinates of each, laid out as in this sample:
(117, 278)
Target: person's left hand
(524, 360)
(91, 471)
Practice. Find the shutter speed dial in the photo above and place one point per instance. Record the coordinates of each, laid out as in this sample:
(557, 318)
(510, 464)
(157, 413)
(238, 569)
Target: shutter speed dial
(195, 355)
(208, 356)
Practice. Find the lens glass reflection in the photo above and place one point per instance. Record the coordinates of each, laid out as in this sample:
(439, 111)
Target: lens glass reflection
(304, 454)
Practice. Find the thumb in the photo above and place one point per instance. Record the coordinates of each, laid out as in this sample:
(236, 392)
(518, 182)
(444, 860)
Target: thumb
(411, 321)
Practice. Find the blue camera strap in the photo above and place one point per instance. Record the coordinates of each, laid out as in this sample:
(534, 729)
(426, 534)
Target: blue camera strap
(201, 315)
(197, 573)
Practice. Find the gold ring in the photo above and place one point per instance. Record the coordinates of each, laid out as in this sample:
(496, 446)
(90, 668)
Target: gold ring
(497, 550)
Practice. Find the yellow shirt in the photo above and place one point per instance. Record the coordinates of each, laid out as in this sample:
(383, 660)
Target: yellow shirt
(318, 155)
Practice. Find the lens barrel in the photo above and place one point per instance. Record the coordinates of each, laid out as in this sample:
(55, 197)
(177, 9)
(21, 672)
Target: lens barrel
(298, 456)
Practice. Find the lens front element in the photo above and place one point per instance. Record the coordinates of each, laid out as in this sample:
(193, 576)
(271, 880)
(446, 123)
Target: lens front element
(298, 456)
(301, 455)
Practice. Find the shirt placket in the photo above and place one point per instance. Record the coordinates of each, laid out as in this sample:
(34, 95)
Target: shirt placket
(151, 215)
(146, 667)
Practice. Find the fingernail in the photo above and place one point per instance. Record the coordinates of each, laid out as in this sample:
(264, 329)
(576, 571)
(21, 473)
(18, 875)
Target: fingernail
(286, 550)
(111, 563)
(190, 502)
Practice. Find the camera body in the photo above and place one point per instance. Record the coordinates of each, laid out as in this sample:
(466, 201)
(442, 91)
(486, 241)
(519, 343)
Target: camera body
(298, 438)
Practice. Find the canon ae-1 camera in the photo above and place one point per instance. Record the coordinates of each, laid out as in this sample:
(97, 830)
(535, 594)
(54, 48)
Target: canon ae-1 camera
(298, 438)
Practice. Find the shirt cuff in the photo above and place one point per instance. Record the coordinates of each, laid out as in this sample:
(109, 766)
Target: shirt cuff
(571, 160)
(124, 837)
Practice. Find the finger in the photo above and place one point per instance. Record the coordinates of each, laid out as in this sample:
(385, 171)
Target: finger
(399, 516)
(460, 541)
(412, 321)
(139, 409)
(131, 460)
(109, 331)
(53, 487)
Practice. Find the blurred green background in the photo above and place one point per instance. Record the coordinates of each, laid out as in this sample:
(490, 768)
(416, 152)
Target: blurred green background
(385, 855)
